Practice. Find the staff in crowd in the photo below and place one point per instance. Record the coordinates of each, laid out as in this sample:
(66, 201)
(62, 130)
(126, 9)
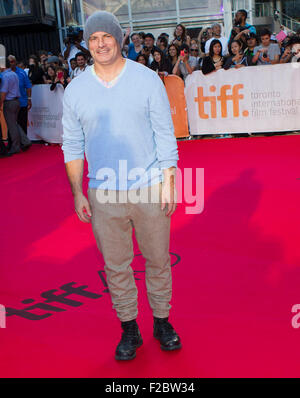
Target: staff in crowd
(25, 94)
(9, 102)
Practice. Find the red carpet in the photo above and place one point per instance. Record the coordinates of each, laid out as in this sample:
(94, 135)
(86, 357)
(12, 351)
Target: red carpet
(236, 271)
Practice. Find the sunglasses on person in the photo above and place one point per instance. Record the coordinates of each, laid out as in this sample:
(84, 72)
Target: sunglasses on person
(194, 50)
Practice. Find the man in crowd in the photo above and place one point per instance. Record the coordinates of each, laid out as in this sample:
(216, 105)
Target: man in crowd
(43, 56)
(149, 47)
(216, 34)
(266, 53)
(81, 64)
(194, 55)
(251, 44)
(118, 111)
(25, 93)
(73, 46)
(162, 43)
(240, 22)
(53, 60)
(9, 99)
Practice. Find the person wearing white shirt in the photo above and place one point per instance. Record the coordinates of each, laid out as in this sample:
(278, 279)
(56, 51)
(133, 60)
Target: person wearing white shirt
(216, 34)
(81, 64)
(71, 49)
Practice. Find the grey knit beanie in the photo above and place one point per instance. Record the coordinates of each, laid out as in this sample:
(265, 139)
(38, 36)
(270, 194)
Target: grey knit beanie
(103, 21)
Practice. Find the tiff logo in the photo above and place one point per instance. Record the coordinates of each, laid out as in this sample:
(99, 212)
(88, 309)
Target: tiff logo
(2, 317)
(226, 94)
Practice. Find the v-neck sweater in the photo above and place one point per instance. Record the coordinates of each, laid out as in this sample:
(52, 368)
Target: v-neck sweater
(125, 131)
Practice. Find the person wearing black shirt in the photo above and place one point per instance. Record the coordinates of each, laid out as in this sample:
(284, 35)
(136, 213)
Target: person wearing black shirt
(214, 61)
(160, 64)
(237, 58)
(36, 74)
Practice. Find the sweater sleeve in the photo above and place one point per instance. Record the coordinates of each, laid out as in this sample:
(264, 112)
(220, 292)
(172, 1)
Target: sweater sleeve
(162, 126)
(73, 136)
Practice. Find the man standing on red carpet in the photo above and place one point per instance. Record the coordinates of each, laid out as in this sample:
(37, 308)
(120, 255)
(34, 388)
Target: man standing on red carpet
(118, 114)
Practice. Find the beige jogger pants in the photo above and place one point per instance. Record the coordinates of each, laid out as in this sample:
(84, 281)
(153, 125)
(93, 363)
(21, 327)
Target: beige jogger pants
(112, 225)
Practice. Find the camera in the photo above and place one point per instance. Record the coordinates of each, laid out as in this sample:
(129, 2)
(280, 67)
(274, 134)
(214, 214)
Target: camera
(73, 33)
(265, 55)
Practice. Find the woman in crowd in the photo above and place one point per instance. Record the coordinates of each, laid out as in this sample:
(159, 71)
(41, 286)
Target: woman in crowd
(204, 35)
(135, 47)
(173, 54)
(50, 74)
(61, 77)
(161, 64)
(214, 61)
(183, 66)
(237, 58)
(180, 36)
(35, 73)
(142, 59)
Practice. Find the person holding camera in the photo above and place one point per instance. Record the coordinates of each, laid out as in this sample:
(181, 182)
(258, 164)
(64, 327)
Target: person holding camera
(251, 44)
(292, 50)
(240, 22)
(267, 53)
(183, 66)
(149, 47)
(216, 34)
(74, 43)
(204, 35)
(180, 36)
(61, 78)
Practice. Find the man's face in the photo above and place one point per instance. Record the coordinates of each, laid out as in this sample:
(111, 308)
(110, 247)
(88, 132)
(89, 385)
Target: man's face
(149, 42)
(216, 30)
(251, 42)
(80, 61)
(12, 62)
(73, 64)
(103, 48)
(194, 51)
(238, 18)
(265, 40)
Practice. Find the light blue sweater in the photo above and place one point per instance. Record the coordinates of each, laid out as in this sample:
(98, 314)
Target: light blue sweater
(121, 129)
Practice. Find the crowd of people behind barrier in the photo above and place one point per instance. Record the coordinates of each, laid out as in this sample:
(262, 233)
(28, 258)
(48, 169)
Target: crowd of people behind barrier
(180, 55)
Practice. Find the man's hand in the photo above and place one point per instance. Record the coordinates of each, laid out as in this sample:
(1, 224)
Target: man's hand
(82, 208)
(169, 193)
(246, 32)
(29, 104)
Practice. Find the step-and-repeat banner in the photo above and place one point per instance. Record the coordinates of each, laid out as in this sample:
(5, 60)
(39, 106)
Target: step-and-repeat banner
(245, 100)
(45, 116)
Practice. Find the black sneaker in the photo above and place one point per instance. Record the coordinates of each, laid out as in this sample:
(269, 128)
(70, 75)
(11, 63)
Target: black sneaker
(130, 341)
(165, 333)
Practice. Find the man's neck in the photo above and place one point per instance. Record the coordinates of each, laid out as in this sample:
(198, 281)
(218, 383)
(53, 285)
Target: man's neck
(109, 72)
